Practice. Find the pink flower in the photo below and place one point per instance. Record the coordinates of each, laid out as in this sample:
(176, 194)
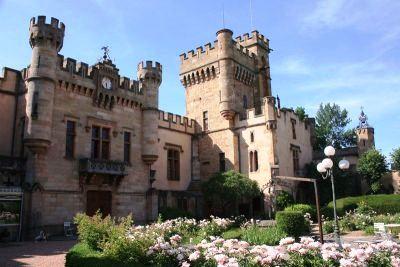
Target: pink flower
(194, 256)
(221, 258)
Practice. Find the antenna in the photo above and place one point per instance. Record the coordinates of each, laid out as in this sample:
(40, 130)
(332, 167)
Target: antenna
(223, 16)
(251, 15)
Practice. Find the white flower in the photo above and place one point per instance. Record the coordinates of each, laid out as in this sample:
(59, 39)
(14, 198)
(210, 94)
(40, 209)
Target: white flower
(286, 241)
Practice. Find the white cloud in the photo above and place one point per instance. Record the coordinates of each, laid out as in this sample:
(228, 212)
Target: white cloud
(293, 66)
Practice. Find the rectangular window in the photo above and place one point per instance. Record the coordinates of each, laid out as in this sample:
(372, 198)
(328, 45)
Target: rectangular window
(296, 164)
(35, 105)
(105, 143)
(127, 146)
(205, 120)
(293, 128)
(100, 143)
(95, 142)
(173, 165)
(222, 162)
(70, 140)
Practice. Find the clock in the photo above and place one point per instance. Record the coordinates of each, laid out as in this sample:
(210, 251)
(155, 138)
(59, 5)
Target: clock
(106, 83)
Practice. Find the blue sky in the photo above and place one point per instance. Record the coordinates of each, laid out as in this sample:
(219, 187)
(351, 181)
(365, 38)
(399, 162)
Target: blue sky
(342, 51)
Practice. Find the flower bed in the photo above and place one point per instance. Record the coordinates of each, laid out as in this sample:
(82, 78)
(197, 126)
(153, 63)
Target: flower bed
(187, 242)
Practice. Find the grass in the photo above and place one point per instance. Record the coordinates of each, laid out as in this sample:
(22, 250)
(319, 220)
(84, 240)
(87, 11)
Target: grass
(263, 236)
(234, 233)
(81, 255)
(382, 204)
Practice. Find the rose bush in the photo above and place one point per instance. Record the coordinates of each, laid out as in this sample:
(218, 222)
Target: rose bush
(170, 243)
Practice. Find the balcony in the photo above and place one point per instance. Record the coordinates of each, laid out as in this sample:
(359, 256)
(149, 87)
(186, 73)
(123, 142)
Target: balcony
(101, 171)
(102, 166)
(12, 164)
(12, 171)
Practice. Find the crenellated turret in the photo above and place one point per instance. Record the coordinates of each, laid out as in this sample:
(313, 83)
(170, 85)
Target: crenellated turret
(226, 69)
(150, 77)
(46, 41)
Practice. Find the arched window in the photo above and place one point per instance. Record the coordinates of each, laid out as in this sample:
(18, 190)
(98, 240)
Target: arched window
(251, 161)
(244, 101)
(252, 137)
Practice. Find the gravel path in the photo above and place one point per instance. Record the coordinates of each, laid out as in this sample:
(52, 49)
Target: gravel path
(43, 254)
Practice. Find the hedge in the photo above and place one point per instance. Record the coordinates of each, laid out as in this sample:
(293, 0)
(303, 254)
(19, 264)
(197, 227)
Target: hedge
(169, 213)
(381, 204)
(303, 208)
(81, 255)
(291, 222)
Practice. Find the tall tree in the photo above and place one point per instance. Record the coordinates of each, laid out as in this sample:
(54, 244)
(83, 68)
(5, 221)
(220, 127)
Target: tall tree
(372, 166)
(396, 159)
(224, 191)
(330, 129)
(301, 113)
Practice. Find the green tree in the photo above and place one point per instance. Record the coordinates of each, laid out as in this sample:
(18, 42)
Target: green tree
(372, 166)
(226, 190)
(347, 183)
(330, 129)
(301, 113)
(283, 200)
(396, 159)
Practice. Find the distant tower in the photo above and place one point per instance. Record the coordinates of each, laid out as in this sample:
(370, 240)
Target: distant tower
(46, 41)
(365, 134)
(150, 78)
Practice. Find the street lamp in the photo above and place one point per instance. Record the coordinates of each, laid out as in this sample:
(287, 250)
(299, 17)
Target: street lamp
(325, 168)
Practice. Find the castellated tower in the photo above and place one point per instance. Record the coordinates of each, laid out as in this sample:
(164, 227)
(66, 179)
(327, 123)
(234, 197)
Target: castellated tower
(150, 77)
(223, 80)
(232, 75)
(46, 41)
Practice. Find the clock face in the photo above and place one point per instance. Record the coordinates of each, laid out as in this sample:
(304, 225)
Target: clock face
(106, 83)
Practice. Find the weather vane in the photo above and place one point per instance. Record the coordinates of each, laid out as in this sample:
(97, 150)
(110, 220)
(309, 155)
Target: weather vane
(363, 119)
(106, 51)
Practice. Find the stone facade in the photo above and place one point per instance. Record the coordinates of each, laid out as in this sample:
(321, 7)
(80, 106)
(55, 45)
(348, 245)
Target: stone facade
(127, 156)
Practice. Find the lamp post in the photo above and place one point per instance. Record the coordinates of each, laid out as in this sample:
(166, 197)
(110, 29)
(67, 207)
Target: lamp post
(325, 168)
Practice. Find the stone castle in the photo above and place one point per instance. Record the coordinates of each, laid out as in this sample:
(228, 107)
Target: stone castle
(80, 138)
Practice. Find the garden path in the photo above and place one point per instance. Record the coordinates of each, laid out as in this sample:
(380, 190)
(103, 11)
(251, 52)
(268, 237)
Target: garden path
(43, 254)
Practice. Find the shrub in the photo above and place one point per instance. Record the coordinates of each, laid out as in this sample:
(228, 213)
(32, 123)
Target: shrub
(292, 223)
(303, 208)
(81, 255)
(93, 230)
(284, 199)
(169, 213)
(256, 235)
(328, 227)
(381, 204)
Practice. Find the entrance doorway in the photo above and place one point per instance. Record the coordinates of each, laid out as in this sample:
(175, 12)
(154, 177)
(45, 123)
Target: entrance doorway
(98, 201)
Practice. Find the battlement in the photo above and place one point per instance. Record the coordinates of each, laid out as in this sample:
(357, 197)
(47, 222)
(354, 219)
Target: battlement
(149, 65)
(41, 32)
(82, 69)
(205, 56)
(255, 38)
(176, 122)
(41, 21)
(74, 67)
